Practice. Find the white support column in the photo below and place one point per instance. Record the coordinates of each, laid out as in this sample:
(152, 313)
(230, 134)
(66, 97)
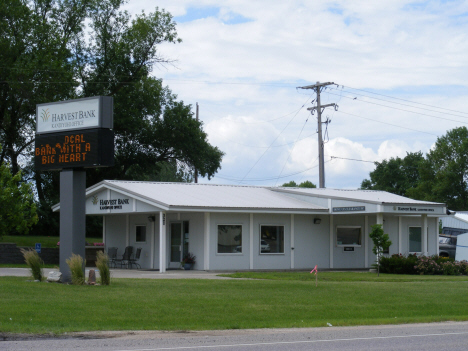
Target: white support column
(437, 235)
(331, 240)
(366, 240)
(127, 230)
(162, 242)
(251, 242)
(379, 219)
(153, 234)
(292, 241)
(104, 229)
(400, 235)
(424, 233)
(207, 241)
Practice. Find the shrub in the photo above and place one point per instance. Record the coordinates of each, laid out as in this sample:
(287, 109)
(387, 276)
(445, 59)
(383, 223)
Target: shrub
(449, 268)
(76, 264)
(429, 265)
(102, 263)
(34, 262)
(398, 264)
(464, 267)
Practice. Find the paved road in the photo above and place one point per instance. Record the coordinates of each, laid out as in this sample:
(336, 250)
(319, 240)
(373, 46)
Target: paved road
(451, 336)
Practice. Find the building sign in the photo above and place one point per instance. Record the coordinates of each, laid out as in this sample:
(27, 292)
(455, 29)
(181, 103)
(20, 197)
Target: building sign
(111, 204)
(412, 209)
(349, 209)
(94, 112)
(79, 149)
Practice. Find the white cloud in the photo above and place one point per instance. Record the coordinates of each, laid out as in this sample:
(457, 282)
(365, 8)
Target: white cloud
(413, 51)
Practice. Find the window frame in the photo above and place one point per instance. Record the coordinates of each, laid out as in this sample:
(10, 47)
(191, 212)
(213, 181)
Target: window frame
(260, 241)
(136, 235)
(348, 226)
(217, 239)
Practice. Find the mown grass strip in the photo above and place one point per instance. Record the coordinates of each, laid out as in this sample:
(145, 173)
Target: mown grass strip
(343, 276)
(46, 241)
(140, 304)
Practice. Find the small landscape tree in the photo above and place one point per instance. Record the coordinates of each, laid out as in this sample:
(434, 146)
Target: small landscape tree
(381, 242)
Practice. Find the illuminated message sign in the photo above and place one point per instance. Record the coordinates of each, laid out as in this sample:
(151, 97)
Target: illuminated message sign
(78, 149)
(86, 113)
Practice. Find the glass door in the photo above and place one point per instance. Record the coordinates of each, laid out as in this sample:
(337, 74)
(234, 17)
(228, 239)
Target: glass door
(176, 245)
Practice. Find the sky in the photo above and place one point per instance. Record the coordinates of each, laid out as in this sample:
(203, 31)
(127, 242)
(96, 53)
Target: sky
(399, 68)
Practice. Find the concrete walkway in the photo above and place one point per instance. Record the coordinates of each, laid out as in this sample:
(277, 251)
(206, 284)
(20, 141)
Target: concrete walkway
(124, 273)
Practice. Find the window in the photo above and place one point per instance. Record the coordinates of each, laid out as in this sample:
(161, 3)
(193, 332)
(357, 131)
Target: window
(415, 239)
(271, 239)
(140, 231)
(348, 236)
(229, 238)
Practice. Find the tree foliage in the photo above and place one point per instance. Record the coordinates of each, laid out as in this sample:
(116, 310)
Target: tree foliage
(304, 184)
(17, 210)
(444, 173)
(395, 175)
(440, 176)
(58, 50)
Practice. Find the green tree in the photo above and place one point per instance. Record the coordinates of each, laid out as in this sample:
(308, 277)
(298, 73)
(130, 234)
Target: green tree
(395, 175)
(305, 184)
(444, 173)
(17, 210)
(62, 49)
(381, 242)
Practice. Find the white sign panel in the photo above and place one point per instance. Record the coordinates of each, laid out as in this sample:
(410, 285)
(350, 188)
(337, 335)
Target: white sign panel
(74, 114)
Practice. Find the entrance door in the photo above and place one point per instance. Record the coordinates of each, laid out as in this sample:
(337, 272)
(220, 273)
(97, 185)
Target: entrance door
(176, 245)
(179, 242)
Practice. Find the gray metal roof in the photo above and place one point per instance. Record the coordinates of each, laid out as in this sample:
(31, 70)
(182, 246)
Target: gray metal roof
(190, 195)
(373, 196)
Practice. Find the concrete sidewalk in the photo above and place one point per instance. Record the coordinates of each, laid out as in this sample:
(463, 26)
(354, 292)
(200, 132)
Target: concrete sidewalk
(124, 273)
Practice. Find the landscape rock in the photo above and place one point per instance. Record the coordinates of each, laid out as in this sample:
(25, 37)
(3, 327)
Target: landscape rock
(54, 277)
(92, 277)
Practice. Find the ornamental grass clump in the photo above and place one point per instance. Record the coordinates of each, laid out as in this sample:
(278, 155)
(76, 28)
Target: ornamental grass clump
(34, 262)
(102, 263)
(76, 264)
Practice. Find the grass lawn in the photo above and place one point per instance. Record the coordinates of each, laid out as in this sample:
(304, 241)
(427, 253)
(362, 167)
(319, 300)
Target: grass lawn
(46, 241)
(281, 300)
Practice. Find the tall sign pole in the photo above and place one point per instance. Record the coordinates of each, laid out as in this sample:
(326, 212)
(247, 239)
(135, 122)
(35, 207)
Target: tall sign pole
(196, 170)
(70, 137)
(317, 87)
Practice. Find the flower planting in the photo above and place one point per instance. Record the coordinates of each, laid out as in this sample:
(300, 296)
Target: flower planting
(426, 265)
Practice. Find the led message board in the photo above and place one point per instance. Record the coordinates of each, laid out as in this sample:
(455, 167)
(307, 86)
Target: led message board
(75, 149)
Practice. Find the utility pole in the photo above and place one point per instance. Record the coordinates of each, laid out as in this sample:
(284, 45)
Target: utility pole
(196, 171)
(317, 87)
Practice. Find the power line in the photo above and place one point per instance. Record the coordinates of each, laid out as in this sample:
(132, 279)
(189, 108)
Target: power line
(234, 179)
(290, 152)
(266, 147)
(351, 159)
(273, 142)
(400, 109)
(390, 124)
(413, 102)
(398, 103)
